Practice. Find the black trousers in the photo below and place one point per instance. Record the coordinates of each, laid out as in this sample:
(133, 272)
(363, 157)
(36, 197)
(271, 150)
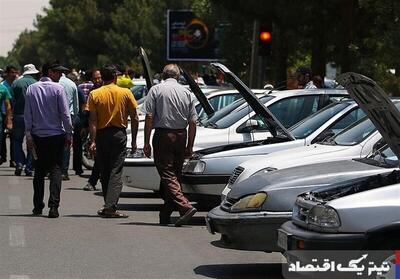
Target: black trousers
(50, 158)
(77, 148)
(110, 156)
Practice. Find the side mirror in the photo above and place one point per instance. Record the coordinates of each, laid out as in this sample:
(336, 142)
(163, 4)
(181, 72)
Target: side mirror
(378, 145)
(248, 126)
(323, 136)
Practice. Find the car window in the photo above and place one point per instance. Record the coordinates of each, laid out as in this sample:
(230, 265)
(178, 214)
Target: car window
(291, 110)
(347, 120)
(355, 133)
(306, 127)
(218, 102)
(231, 114)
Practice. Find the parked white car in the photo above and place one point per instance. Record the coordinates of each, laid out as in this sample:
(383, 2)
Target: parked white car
(236, 123)
(205, 176)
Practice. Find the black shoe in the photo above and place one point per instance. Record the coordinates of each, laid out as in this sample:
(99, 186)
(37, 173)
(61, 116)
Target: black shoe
(53, 212)
(18, 171)
(80, 172)
(65, 177)
(186, 217)
(12, 164)
(37, 212)
(28, 173)
(165, 220)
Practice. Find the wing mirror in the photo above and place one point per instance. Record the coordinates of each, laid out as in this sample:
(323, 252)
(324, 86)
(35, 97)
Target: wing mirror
(323, 136)
(378, 145)
(248, 126)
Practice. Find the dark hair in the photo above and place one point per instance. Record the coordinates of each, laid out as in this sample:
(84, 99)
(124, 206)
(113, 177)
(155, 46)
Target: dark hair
(108, 73)
(10, 68)
(304, 70)
(45, 69)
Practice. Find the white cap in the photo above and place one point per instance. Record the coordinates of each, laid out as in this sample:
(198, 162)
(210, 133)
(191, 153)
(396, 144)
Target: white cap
(30, 69)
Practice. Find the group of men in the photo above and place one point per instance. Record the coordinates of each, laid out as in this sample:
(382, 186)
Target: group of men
(49, 113)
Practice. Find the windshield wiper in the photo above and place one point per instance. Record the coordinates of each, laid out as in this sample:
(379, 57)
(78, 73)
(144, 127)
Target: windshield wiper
(211, 125)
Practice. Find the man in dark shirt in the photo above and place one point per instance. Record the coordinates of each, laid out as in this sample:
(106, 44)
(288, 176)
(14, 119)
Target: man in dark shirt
(19, 87)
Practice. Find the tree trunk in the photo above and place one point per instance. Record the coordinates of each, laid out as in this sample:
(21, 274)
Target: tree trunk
(319, 45)
(349, 13)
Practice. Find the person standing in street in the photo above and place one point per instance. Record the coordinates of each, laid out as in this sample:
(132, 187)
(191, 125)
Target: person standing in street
(19, 87)
(5, 101)
(71, 91)
(304, 75)
(109, 108)
(48, 130)
(11, 74)
(169, 110)
(95, 174)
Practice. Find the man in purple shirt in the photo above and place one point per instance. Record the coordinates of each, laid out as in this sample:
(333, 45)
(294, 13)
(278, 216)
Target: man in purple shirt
(48, 129)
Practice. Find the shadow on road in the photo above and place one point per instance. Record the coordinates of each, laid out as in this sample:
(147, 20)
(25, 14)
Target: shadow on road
(195, 221)
(139, 195)
(248, 271)
(139, 207)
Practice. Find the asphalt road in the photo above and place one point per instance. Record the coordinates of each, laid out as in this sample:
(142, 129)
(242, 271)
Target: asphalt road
(80, 244)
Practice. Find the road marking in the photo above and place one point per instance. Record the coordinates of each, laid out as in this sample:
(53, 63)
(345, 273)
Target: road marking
(17, 236)
(19, 277)
(15, 203)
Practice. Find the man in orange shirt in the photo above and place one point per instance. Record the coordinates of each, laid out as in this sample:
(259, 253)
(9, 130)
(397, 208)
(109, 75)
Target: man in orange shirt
(109, 108)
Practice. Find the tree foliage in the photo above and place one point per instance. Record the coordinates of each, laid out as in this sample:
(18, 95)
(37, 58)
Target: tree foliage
(355, 35)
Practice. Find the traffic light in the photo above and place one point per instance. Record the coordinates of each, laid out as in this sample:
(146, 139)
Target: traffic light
(265, 39)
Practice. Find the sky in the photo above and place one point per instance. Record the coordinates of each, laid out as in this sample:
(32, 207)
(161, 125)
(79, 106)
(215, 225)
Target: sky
(15, 16)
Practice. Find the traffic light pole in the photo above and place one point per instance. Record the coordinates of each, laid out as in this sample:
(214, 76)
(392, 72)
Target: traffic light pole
(254, 55)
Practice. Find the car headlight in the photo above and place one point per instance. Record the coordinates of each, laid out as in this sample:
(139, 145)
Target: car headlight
(324, 218)
(194, 166)
(137, 154)
(264, 170)
(250, 203)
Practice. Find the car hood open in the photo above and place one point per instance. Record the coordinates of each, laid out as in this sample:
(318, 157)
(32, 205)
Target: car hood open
(274, 126)
(376, 105)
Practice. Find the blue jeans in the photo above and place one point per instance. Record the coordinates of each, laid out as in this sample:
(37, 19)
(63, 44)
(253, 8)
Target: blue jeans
(17, 140)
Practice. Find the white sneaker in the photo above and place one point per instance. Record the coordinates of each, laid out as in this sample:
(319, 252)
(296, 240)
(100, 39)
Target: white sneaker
(89, 187)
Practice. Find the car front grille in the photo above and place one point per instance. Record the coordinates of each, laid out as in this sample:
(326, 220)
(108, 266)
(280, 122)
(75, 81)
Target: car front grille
(236, 172)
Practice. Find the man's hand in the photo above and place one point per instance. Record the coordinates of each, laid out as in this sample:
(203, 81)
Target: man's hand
(68, 141)
(188, 152)
(92, 147)
(29, 143)
(134, 146)
(9, 125)
(147, 150)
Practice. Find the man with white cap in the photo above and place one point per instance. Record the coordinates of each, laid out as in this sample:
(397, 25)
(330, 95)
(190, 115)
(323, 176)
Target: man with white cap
(19, 86)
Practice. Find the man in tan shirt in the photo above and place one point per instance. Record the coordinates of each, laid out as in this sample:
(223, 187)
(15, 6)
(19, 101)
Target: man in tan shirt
(109, 108)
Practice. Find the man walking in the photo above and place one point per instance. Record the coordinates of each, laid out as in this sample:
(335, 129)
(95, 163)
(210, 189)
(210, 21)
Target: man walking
(109, 107)
(48, 130)
(19, 88)
(169, 110)
(71, 91)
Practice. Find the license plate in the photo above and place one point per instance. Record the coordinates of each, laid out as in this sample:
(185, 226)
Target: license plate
(283, 239)
(209, 226)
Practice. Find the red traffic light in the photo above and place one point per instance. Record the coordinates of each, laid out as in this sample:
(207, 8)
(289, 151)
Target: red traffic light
(265, 36)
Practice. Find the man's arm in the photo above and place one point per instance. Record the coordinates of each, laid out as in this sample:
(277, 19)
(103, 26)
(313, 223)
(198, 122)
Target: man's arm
(191, 137)
(148, 126)
(63, 108)
(92, 124)
(28, 120)
(134, 127)
(9, 124)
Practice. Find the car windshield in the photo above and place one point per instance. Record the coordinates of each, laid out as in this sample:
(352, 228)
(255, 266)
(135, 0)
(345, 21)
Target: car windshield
(231, 114)
(386, 156)
(355, 133)
(307, 126)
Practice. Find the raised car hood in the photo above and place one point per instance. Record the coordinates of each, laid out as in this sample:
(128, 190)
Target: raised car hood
(354, 186)
(274, 126)
(284, 185)
(377, 106)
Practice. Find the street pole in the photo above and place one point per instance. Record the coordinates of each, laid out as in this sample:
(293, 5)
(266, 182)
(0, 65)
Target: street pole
(254, 55)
